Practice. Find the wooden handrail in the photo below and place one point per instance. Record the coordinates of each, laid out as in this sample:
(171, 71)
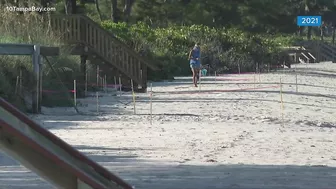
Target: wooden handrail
(80, 29)
(328, 51)
(66, 148)
(117, 41)
(325, 50)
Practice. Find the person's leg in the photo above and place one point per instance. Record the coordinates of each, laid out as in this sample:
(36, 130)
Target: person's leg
(193, 73)
(197, 75)
(197, 70)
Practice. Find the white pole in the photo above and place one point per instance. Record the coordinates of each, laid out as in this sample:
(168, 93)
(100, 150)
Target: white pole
(119, 86)
(75, 93)
(151, 104)
(133, 94)
(97, 96)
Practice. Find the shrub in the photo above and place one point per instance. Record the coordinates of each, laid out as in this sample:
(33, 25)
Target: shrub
(222, 49)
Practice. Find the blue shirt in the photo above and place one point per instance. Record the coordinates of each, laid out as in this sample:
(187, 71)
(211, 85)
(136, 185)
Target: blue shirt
(195, 53)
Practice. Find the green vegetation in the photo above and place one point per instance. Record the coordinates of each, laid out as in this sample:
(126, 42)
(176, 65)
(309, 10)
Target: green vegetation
(223, 49)
(233, 34)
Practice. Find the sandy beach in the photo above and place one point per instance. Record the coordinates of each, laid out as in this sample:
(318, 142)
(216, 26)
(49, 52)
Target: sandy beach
(231, 132)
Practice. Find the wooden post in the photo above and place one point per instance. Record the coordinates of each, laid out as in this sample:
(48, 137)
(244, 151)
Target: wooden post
(115, 83)
(35, 94)
(151, 104)
(296, 82)
(296, 79)
(141, 76)
(102, 83)
(75, 93)
(254, 80)
(97, 96)
(259, 77)
(17, 85)
(144, 76)
(333, 35)
(20, 83)
(89, 75)
(40, 83)
(105, 82)
(83, 65)
(133, 95)
(281, 101)
(119, 86)
(86, 83)
(199, 76)
(97, 77)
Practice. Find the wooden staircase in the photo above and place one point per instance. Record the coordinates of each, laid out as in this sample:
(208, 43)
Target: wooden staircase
(306, 56)
(89, 39)
(323, 51)
(327, 52)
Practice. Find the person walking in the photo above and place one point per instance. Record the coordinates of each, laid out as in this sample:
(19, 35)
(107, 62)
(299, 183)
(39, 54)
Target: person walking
(195, 62)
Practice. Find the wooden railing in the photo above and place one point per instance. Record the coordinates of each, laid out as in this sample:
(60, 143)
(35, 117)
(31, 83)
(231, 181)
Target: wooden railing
(76, 29)
(327, 51)
(324, 51)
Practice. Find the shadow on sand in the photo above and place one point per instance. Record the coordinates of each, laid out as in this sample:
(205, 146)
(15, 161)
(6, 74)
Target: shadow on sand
(144, 175)
(221, 83)
(234, 176)
(245, 91)
(232, 100)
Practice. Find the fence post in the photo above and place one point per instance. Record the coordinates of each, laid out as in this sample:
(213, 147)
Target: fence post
(133, 95)
(151, 104)
(97, 77)
(75, 93)
(119, 87)
(20, 83)
(36, 68)
(105, 82)
(97, 96)
(86, 83)
(17, 84)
